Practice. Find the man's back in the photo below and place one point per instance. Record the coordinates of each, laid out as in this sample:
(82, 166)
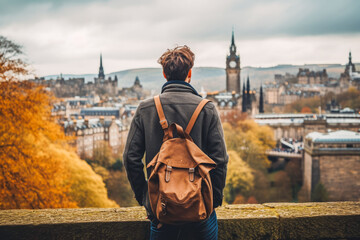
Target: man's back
(179, 102)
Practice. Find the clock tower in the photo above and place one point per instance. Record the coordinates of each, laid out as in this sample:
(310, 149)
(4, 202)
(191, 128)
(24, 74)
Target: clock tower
(233, 69)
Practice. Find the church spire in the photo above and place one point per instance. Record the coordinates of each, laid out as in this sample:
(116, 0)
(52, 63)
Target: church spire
(350, 57)
(261, 104)
(244, 98)
(232, 38)
(232, 46)
(248, 96)
(101, 69)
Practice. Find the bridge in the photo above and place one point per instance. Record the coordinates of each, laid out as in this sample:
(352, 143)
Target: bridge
(272, 153)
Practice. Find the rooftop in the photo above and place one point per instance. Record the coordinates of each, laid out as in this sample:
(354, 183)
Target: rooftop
(341, 136)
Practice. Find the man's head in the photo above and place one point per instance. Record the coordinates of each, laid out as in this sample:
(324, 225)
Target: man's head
(177, 63)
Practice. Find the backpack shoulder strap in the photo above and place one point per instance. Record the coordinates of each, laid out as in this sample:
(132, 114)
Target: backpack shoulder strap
(195, 115)
(163, 122)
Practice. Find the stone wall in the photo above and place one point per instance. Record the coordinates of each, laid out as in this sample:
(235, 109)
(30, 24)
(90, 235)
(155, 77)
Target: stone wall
(307, 181)
(341, 177)
(339, 174)
(333, 220)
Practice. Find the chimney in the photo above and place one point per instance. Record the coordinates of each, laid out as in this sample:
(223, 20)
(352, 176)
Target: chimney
(102, 120)
(86, 121)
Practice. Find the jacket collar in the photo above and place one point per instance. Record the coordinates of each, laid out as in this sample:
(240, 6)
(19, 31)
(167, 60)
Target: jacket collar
(178, 86)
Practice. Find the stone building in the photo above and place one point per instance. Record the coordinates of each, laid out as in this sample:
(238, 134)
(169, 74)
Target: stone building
(332, 159)
(103, 86)
(273, 93)
(91, 133)
(297, 126)
(96, 112)
(229, 99)
(233, 69)
(305, 76)
(77, 86)
(350, 77)
(136, 91)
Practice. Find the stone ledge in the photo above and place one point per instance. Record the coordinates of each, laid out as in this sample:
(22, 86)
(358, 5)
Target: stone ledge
(331, 220)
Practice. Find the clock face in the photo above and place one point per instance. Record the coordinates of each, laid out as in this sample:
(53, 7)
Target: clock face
(232, 64)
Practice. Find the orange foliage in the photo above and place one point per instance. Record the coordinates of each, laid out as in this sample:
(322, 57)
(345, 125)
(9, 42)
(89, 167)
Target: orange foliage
(305, 110)
(252, 200)
(239, 199)
(11, 64)
(233, 116)
(30, 175)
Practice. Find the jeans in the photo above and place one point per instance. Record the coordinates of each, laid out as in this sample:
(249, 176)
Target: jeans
(204, 230)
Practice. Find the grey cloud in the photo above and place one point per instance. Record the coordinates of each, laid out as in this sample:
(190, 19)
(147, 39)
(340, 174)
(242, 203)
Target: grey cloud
(200, 19)
(55, 33)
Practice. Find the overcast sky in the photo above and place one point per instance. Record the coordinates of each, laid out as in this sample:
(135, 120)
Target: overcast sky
(67, 36)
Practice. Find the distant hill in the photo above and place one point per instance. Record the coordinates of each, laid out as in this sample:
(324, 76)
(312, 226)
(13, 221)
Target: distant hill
(210, 78)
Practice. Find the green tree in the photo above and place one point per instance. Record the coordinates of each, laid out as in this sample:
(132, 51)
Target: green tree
(319, 193)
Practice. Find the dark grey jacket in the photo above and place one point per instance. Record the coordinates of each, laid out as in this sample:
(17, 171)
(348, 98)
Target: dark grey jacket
(179, 102)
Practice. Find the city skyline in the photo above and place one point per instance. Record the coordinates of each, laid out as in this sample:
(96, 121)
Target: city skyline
(68, 36)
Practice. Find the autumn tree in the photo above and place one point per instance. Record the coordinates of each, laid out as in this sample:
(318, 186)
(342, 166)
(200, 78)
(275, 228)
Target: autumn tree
(102, 155)
(30, 175)
(247, 180)
(37, 167)
(251, 141)
(11, 63)
(305, 110)
(239, 179)
(233, 117)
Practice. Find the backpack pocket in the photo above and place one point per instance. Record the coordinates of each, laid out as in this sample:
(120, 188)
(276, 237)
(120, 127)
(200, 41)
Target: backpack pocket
(180, 198)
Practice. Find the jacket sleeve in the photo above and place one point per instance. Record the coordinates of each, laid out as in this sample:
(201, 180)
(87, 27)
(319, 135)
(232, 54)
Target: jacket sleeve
(133, 154)
(216, 150)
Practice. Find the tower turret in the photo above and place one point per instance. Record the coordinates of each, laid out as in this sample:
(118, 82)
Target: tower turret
(101, 69)
(233, 68)
(243, 105)
(261, 104)
(350, 67)
(248, 96)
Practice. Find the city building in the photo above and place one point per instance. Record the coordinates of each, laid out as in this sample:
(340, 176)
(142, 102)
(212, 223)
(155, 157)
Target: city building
(287, 88)
(77, 87)
(297, 126)
(96, 112)
(350, 77)
(136, 91)
(229, 98)
(305, 76)
(233, 69)
(91, 133)
(333, 160)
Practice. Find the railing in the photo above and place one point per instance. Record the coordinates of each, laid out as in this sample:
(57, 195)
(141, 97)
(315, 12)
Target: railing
(331, 220)
(283, 154)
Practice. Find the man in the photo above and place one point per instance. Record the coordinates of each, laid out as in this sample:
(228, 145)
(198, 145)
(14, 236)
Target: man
(179, 100)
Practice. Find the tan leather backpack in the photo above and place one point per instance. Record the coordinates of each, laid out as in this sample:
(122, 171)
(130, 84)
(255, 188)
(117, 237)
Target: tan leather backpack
(179, 185)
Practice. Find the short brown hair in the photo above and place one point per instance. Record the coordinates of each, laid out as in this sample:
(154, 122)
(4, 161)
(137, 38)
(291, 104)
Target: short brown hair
(177, 62)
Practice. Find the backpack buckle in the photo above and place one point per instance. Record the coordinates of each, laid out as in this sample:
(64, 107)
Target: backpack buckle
(191, 174)
(163, 208)
(167, 173)
(164, 124)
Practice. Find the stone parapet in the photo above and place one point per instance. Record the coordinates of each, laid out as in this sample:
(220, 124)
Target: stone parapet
(331, 220)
